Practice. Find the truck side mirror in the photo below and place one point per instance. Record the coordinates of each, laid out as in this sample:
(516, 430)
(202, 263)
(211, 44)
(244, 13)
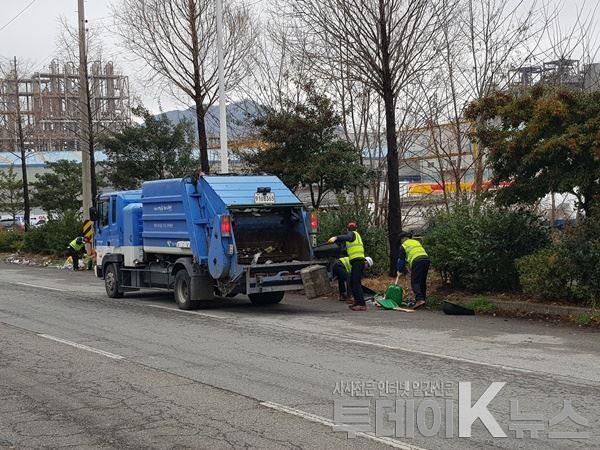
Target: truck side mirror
(93, 214)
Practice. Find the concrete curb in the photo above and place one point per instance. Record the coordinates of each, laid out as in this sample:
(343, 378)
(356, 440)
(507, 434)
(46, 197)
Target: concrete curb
(541, 308)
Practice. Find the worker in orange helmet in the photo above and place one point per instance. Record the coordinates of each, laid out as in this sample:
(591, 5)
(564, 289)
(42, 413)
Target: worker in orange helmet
(356, 254)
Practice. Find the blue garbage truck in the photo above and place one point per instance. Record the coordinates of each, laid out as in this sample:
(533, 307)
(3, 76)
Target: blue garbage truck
(204, 236)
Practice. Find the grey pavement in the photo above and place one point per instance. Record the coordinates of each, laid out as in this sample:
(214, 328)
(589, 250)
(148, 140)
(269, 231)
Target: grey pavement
(233, 375)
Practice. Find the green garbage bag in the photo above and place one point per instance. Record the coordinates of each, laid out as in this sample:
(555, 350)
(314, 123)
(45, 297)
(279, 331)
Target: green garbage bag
(394, 293)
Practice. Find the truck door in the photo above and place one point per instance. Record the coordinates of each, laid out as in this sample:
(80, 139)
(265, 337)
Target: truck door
(102, 223)
(113, 228)
(101, 235)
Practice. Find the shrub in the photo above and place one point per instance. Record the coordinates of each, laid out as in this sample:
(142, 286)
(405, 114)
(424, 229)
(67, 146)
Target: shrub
(333, 223)
(580, 253)
(54, 236)
(10, 241)
(475, 246)
(544, 274)
(569, 269)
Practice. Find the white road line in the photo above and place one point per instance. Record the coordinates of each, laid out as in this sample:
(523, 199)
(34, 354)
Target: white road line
(196, 313)
(81, 346)
(41, 287)
(439, 355)
(324, 421)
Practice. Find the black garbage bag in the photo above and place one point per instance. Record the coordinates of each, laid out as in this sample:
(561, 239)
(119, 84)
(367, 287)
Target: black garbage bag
(452, 309)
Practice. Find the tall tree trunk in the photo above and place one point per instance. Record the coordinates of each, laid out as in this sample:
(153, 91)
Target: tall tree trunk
(21, 138)
(478, 166)
(26, 205)
(202, 138)
(198, 92)
(393, 217)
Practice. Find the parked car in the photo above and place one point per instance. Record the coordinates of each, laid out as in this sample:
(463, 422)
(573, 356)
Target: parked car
(11, 224)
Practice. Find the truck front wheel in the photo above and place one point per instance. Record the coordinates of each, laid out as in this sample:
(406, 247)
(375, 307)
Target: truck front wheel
(182, 290)
(266, 298)
(111, 281)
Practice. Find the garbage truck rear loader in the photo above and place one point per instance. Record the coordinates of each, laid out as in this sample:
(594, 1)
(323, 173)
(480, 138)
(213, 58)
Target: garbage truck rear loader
(204, 237)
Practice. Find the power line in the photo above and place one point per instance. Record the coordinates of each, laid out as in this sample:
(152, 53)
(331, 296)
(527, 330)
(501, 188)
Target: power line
(18, 14)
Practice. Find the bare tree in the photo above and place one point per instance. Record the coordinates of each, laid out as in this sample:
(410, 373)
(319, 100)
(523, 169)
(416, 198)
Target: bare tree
(493, 36)
(385, 43)
(176, 39)
(13, 122)
(576, 43)
(281, 66)
(67, 43)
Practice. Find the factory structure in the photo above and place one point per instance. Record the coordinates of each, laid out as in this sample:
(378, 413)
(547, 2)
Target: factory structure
(49, 106)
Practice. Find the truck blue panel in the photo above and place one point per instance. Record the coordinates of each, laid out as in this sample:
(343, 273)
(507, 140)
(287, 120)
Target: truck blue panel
(239, 190)
(163, 216)
(132, 224)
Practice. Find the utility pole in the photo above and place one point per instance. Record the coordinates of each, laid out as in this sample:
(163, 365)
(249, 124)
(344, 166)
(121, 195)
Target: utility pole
(21, 139)
(86, 188)
(222, 105)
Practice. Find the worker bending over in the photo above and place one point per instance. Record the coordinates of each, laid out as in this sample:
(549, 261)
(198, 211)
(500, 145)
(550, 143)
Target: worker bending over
(341, 271)
(356, 255)
(76, 249)
(412, 256)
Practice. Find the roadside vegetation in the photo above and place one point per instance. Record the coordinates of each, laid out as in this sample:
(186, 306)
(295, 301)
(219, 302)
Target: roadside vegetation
(50, 238)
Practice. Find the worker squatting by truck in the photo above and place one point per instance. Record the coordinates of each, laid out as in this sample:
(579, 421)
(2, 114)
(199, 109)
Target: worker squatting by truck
(203, 237)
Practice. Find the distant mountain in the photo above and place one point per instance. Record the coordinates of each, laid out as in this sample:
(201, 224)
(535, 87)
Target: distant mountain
(240, 116)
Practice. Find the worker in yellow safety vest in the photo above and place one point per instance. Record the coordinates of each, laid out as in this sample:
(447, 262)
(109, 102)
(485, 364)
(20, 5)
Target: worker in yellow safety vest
(355, 251)
(341, 270)
(412, 256)
(76, 249)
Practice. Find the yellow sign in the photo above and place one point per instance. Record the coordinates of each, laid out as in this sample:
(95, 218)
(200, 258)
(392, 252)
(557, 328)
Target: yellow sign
(88, 229)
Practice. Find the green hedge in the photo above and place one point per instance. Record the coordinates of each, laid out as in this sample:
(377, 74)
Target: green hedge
(475, 246)
(567, 270)
(544, 274)
(333, 223)
(54, 236)
(11, 241)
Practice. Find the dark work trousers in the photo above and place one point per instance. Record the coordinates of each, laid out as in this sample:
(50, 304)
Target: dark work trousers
(418, 278)
(358, 270)
(342, 275)
(75, 256)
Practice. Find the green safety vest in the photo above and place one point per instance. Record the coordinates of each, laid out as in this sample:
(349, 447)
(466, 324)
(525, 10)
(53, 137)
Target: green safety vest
(346, 263)
(414, 250)
(75, 246)
(355, 249)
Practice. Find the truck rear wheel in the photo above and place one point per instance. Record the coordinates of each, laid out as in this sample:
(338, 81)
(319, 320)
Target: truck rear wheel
(266, 298)
(111, 281)
(182, 290)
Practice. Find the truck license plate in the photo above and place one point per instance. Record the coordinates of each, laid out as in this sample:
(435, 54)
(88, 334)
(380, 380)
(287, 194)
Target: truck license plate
(263, 198)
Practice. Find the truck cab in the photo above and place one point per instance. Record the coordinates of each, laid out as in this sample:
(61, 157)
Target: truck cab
(118, 218)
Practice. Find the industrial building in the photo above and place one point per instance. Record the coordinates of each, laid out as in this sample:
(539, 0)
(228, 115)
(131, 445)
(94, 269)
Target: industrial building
(49, 104)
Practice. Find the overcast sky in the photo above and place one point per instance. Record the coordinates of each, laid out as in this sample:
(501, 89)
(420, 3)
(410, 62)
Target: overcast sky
(32, 35)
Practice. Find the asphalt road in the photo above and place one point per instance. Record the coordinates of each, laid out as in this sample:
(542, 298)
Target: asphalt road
(80, 369)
